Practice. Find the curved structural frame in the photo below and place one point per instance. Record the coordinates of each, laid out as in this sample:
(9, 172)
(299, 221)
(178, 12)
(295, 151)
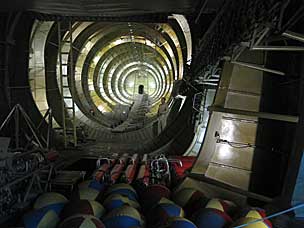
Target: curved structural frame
(111, 61)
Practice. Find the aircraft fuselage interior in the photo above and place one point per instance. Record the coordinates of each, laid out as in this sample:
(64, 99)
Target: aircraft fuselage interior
(158, 114)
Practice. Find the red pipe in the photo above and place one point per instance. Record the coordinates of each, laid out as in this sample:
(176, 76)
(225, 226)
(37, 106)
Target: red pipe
(118, 168)
(131, 169)
(144, 171)
(104, 168)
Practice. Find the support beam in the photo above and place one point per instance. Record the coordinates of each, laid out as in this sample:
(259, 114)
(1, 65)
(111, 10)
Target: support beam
(189, 84)
(210, 80)
(215, 75)
(208, 83)
(262, 115)
(17, 128)
(30, 125)
(294, 36)
(277, 48)
(29, 188)
(294, 19)
(258, 67)
(50, 129)
(264, 33)
(8, 118)
(238, 53)
(203, 7)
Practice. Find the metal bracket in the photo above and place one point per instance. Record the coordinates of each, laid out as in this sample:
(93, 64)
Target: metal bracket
(258, 67)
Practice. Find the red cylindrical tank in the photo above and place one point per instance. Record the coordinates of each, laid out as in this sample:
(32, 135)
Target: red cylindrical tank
(118, 168)
(131, 169)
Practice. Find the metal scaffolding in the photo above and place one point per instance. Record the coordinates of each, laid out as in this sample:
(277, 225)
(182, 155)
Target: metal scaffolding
(66, 76)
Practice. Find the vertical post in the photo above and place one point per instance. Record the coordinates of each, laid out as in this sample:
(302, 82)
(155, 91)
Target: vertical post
(6, 74)
(50, 127)
(17, 128)
(71, 74)
(61, 84)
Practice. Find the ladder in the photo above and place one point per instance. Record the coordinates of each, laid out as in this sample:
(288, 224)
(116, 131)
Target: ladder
(66, 75)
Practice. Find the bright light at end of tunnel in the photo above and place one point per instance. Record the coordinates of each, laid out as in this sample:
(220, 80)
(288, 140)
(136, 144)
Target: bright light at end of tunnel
(130, 84)
(152, 85)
